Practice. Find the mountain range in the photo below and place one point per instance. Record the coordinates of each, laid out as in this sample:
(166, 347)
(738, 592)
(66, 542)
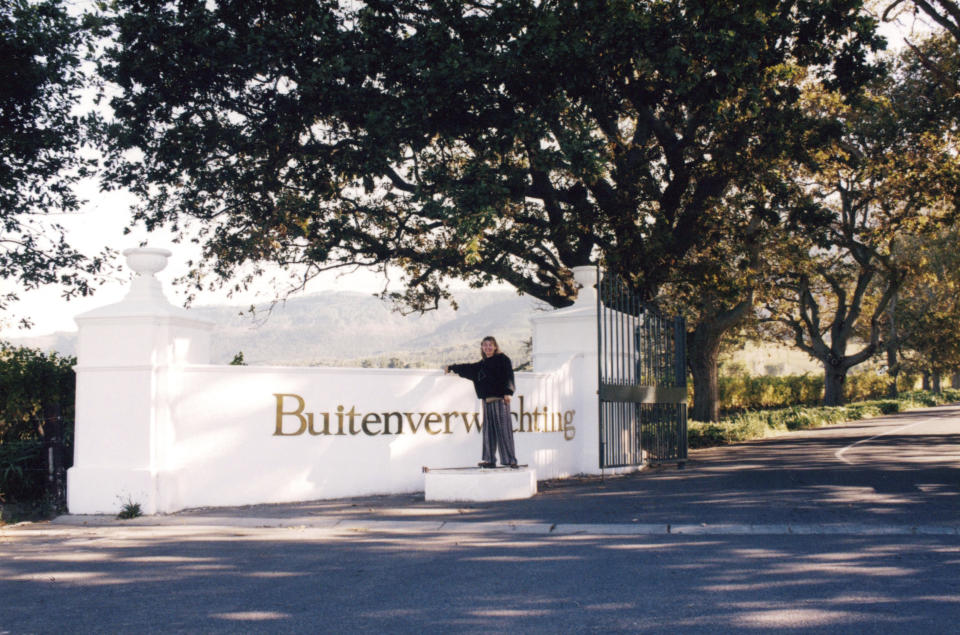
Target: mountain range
(343, 328)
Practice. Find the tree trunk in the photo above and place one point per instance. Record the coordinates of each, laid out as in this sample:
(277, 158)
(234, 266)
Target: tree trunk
(955, 380)
(703, 351)
(926, 380)
(936, 383)
(893, 368)
(833, 379)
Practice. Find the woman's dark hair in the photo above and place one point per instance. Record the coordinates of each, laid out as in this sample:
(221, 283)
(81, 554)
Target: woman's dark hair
(496, 347)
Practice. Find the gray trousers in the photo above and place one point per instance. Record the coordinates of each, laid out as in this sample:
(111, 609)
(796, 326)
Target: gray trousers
(498, 433)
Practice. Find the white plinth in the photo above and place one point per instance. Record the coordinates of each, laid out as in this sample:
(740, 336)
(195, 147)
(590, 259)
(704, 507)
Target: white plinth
(479, 484)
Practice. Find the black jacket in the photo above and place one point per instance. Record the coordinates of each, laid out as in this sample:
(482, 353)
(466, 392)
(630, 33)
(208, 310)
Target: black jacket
(491, 376)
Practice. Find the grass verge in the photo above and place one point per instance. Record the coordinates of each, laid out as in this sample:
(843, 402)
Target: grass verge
(758, 424)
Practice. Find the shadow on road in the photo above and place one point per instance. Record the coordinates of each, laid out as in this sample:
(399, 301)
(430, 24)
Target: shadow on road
(291, 580)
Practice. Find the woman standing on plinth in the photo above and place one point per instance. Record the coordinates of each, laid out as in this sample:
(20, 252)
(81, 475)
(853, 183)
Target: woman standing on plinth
(492, 378)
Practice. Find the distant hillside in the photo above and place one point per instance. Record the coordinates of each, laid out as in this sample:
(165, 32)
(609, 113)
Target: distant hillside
(356, 329)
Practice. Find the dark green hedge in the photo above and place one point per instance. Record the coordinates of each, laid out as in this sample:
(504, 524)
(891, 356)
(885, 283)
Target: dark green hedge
(37, 392)
(746, 392)
(758, 424)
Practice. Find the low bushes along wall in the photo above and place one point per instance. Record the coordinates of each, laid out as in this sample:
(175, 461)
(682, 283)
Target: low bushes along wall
(758, 424)
(746, 392)
(36, 423)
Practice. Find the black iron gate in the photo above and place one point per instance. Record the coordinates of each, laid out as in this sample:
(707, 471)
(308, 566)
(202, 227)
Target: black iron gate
(34, 471)
(643, 385)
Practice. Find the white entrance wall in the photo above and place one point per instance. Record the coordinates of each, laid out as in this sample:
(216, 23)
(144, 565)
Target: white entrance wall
(157, 425)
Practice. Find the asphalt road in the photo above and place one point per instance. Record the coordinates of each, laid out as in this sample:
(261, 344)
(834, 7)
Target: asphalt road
(853, 528)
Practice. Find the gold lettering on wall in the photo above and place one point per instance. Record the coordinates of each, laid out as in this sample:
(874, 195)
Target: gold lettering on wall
(431, 418)
(369, 419)
(291, 420)
(298, 413)
(569, 431)
(326, 424)
(471, 420)
(386, 422)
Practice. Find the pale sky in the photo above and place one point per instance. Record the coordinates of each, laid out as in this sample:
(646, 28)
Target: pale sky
(101, 223)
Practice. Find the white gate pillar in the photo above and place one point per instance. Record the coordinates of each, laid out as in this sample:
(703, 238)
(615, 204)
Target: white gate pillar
(566, 341)
(127, 357)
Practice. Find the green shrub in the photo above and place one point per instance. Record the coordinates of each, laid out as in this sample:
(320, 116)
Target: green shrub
(22, 470)
(745, 392)
(36, 411)
(925, 399)
(740, 392)
(130, 510)
(864, 386)
(756, 424)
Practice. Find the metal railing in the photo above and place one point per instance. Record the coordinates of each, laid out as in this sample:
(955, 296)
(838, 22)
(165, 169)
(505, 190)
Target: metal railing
(35, 470)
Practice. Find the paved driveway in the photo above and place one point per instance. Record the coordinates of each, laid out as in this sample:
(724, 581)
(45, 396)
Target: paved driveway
(855, 528)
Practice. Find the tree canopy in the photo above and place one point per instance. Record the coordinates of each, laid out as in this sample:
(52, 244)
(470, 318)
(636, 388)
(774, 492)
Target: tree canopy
(944, 18)
(944, 13)
(881, 180)
(928, 307)
(41, 48)
(481, 140)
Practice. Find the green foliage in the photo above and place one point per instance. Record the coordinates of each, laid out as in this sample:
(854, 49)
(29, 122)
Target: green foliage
(928, 306)
(22, 472)
(871, 385)
(742, 392)
(759, 424)
(30, 381)
(238, 360)
(507, 140)
(130, 510)
(925, 399)
(931, 82)
(871, 186)
(746, 392)
(36, 408)
(41, 78)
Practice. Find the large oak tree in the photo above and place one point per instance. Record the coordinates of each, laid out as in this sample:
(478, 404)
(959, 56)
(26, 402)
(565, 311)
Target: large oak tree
(877, 183)
(488, 140)
(928, 306)
(41, 78)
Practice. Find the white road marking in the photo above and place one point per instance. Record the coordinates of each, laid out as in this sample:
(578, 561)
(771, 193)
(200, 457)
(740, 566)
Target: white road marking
(839, 453)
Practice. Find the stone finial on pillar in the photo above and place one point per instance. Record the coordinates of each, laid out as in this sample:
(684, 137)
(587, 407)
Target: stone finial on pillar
(144, 327)
(146, 261)
(562, 334)
(586, 277)
(129, 358)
